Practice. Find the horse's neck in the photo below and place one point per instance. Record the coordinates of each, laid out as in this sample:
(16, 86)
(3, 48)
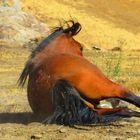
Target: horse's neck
(41, 56)
(59, 46)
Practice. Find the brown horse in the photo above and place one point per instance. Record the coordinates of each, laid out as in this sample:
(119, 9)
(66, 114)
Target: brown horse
(67, 88)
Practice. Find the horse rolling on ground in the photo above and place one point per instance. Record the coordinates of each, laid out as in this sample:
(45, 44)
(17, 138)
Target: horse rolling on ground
(66, 88)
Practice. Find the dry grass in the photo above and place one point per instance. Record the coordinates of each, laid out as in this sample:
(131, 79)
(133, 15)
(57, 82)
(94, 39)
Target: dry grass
(104, 21)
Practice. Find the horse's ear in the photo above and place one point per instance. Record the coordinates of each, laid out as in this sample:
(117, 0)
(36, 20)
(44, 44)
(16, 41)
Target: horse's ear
(76, 28)
(73, 28)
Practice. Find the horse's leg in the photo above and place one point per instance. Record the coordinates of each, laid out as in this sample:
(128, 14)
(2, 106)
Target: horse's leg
(112, 90)
(125, 95)
(131, 98)
(121, 93)
(118, 111)
(102, 111)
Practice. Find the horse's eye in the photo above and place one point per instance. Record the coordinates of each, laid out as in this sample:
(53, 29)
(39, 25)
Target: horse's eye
(81, 48)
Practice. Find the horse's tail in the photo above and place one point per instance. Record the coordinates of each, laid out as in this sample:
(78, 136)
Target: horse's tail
(24, 74)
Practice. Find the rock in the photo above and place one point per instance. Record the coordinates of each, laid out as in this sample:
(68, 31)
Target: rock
(96, 48)
(115, 102)
(36, 136)
(131, 139)
(63, 130)
(18, 28)
(117, 138)
(116, 49)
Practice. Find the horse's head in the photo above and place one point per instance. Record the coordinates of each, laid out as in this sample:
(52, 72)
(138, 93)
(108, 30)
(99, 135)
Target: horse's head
(61, 41)
(69, 44)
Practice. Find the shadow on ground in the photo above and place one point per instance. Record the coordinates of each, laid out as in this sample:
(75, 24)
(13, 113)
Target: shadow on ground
(20, 118)
(28, 117)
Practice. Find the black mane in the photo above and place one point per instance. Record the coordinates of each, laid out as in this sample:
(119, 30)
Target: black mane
(73, 28)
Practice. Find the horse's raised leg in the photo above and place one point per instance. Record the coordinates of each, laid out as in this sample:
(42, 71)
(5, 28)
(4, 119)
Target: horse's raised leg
(118, 111)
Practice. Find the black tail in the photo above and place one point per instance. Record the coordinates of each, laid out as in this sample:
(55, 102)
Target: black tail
(24, 74)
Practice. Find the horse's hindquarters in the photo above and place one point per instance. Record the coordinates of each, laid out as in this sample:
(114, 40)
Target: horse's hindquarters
(40, 96)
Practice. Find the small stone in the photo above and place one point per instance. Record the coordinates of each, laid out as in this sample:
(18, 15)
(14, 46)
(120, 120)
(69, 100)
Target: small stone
(116, 49)
(44, 132)
(117, 138)
(62, 130)
(131, 139)
(36, 136)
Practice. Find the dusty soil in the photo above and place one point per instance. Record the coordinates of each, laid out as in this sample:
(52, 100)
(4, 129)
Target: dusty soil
(17, 121)
(116, 131)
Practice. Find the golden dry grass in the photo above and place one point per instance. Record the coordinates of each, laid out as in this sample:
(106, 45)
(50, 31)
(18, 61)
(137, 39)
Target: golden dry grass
(104, 22)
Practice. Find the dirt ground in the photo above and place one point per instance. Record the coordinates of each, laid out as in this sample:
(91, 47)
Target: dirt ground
(129, 130)
(18, 123)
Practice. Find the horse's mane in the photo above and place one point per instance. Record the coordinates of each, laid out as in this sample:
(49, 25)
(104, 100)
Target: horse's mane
(73, 28)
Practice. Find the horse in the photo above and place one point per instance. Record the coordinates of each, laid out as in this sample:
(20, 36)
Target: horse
(65, 87)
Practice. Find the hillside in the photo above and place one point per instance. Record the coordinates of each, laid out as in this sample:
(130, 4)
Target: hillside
(105, 23)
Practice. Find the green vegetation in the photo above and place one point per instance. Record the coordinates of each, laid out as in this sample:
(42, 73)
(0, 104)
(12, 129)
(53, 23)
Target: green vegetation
(113, 64)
